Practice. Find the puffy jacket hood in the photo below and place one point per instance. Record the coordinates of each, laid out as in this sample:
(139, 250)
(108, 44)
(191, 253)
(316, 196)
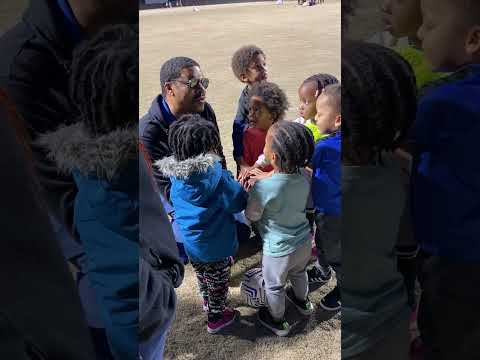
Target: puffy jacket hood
(197, 178)
(73, 148)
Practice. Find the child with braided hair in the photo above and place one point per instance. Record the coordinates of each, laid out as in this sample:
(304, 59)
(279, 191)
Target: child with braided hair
(205, 198)
(277, 207)
(378, 108)
(308, 93)
(100, 150)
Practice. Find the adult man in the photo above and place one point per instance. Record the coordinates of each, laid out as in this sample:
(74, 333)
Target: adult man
(183, 91)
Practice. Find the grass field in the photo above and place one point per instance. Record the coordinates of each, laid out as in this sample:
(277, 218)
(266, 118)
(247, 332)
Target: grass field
(299, 42)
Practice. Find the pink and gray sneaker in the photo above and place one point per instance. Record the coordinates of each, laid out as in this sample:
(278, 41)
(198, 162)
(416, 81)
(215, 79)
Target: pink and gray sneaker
(228, 317)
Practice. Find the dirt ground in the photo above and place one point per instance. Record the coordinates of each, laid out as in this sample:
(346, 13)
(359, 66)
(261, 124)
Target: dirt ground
(298, 42)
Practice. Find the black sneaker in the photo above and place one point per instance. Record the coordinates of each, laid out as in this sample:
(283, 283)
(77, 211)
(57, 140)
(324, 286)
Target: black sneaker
(279, 328)
(305, 307)
(332, 301)
(316, 276)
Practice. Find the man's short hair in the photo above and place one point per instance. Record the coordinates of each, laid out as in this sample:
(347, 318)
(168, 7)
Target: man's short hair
(172, 69)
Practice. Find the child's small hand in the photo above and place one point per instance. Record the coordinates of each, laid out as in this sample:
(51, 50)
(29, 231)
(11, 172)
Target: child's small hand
(244, 170)
(257, 174)
(249, 183)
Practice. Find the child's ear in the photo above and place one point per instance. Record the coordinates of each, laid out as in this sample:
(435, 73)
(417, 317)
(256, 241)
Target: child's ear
(338, 121)
(472, 45)
(243, 78)
(274, 158)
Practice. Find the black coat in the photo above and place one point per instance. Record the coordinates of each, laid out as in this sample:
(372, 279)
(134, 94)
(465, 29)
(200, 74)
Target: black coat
(154, 136)
(38, 297)
(161, 270)
(34, 71)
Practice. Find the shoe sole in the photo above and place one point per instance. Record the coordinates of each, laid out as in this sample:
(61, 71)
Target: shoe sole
(214, 331)
(272, 329)
(330, 308)
(301, 310)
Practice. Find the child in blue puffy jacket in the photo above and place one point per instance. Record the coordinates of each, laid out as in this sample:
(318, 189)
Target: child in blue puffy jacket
(205, 198)
(100, 150)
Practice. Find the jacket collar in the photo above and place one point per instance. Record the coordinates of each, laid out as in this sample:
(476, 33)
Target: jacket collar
(160, 111)
(47, 20)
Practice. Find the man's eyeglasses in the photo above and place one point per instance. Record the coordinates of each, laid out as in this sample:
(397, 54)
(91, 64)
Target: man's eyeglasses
(194, 83)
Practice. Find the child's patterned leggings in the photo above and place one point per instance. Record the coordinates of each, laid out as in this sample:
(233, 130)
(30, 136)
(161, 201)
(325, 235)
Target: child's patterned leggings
(213, 280)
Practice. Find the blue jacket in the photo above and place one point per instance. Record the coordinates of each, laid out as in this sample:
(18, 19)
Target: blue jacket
(446, 170)
(327, 175)
(205, 198)
(106, 217)
(240, 124)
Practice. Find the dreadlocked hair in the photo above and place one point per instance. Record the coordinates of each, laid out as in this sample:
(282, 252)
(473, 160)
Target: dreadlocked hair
(104, 80)
(272, 96)
(321, 80)
(191, 136)
(379, 99)
(294, 145)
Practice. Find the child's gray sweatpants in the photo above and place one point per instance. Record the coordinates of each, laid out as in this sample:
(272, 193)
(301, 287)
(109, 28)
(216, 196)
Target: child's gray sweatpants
(276, 271)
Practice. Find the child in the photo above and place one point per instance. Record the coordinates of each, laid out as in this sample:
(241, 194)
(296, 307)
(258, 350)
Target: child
(267, 105)
(378, 107)
(308, 93)
(277, 206)
(249, 66)
(326, 183)
(101, 151)
(446, 181)
(205, 198)
(402, 20)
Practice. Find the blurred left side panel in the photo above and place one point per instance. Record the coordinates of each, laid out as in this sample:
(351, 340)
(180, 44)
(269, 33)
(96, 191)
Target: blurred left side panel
(69, 179)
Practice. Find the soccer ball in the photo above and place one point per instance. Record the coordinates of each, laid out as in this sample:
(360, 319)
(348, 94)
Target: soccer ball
(252, 288)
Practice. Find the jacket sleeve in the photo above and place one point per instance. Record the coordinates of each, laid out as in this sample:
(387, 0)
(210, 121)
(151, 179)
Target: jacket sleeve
(437, 128)
(239, 126)
(160, 267)
(209, 114)
(254, 210)
(31, 252)
(320, 180)
(155, 140)
(234, 197)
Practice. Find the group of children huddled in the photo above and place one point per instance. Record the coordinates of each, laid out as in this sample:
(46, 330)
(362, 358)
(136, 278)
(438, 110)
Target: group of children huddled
(276, 161)
(348, 153)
